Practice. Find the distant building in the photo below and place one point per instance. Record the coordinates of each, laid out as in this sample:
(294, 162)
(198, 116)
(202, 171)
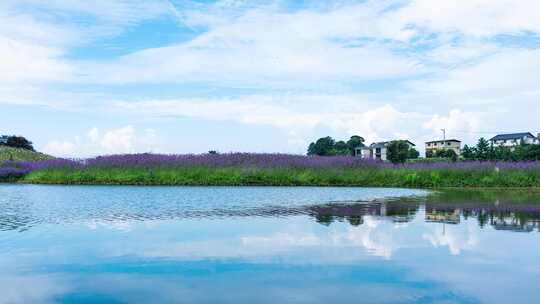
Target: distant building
(441, 145)
(378, 150)
(514, 139)
(363, 152)
(442, 216)
(512, 224)
(3, 140)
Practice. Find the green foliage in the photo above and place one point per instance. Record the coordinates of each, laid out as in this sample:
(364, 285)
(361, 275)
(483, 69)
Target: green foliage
(327, 146)
(482, 150)
(447, 154)
(485, 151)
(16, 142)
(9, 153)
(413, 153)
(323, 146)
(341, 148)
(467, 152)
(234, 176)
(355, 142)
(399, 151)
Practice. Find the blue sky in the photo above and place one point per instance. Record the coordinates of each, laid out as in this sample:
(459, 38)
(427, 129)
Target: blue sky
(81, 78)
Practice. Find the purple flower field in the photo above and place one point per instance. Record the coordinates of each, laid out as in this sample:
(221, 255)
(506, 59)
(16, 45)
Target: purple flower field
(247, 160)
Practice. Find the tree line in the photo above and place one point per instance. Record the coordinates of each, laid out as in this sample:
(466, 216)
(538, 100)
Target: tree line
(16, 142)
(398, 151)
(486, 151)
(327, 146)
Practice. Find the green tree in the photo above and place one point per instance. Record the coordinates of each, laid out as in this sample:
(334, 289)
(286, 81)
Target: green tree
(447, 153)
(397, 151)
(413, 153)
(529, 152)
(19, 142)
(355, 142)
(341, 148)
(482, 149)
(323, 146)
(468, 153)
(355, 220)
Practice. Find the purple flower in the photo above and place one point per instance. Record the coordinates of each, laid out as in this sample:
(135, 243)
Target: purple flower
(254, 160)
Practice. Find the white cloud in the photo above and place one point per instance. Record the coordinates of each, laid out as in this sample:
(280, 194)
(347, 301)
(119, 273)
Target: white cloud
(39, 288)
(119, 140)
(456, 241)
(22, 62)
(115, 141)
(93, 135)
(60, 148)
(456, 122)
(508, 72)
(296, 112)
(425, 51)
(474, 17)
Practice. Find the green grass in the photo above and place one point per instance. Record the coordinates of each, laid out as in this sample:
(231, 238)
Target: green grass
(204, 176)
(9, 153)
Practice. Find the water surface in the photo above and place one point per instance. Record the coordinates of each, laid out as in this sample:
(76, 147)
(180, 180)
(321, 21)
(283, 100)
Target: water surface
(71, 244)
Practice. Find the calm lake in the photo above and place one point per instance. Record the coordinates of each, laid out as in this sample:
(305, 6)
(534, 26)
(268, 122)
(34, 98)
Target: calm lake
(101, 244)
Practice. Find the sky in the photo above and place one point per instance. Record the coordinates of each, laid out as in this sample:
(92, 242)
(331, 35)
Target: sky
(81, 78)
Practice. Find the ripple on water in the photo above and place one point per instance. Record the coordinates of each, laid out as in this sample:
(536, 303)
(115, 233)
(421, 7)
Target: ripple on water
(24, 206)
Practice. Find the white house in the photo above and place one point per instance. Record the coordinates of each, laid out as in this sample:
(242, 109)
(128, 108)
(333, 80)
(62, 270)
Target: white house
(439, 145)
(376, 150)
(515, 139)
(363, 152)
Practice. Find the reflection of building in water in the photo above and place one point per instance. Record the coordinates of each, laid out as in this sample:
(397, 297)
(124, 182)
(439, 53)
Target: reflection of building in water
(513, 224)
(402, 219)
(443, 216)
(354, 213)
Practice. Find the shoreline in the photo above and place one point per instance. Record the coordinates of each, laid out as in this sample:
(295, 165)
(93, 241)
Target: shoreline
(292, 177)
(480, 188)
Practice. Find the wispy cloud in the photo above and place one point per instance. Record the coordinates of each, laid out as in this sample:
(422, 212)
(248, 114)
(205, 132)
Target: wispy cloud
(379, 68)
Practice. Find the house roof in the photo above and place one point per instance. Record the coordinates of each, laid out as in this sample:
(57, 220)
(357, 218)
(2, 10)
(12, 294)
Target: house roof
(447, 140)
(512, 136)
(383, 144)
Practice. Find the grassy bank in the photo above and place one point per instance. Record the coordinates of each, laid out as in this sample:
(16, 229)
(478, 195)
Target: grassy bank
(14, 154)
(231, 176)
(238, 169)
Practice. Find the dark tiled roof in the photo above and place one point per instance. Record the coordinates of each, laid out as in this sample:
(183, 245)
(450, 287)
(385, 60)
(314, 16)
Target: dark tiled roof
(512, 136)
(383, 144)
(436, 141)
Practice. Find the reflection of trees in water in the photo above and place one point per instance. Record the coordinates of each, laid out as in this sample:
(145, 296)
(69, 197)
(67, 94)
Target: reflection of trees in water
(500, 212)
(354, 213)
(500, 216)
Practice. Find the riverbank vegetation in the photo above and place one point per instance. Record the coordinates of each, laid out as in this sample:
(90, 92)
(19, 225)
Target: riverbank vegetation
(239, 169)
(19, 154)
(485, 151)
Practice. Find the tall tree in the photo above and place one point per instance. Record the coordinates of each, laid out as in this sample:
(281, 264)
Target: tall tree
(355, 142)
(341, 148)
(323, 146)
(482, 149)
(19, 142)
(468, 153)
(398, 151)
(413, 153)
